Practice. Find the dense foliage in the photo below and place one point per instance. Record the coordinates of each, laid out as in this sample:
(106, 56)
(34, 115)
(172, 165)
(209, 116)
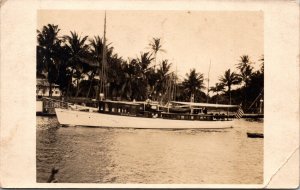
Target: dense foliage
(74, 63)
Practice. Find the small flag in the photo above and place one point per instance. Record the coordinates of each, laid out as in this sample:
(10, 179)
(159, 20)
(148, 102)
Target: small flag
(239, 114)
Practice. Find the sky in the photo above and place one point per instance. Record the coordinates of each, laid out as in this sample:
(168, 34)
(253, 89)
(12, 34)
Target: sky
(191, 39)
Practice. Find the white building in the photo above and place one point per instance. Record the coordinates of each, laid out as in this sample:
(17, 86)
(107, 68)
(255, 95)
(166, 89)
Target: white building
(43, 88)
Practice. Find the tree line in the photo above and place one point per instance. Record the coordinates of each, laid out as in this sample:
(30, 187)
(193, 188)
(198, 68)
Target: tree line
(73, 61)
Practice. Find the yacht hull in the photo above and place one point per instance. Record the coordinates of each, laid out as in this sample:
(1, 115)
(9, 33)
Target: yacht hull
(94, 119)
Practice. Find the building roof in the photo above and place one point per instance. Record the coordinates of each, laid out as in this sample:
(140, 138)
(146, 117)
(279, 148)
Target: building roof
(44, 82)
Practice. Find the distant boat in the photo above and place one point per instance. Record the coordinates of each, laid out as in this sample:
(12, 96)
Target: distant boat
(119, 114)
(255, 135)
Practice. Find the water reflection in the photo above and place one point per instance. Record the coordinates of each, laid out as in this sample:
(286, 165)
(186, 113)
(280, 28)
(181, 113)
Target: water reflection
(105, 155)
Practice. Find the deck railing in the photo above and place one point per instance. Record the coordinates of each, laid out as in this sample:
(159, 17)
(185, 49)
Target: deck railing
(182, 116)
(199, 117)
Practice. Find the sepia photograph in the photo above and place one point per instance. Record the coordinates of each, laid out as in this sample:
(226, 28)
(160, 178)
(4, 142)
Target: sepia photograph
(149, 94)
(150, 97)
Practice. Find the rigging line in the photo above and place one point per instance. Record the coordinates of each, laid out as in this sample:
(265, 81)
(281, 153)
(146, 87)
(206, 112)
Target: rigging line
(208, 81)
(170, 91)
(175, 83)
(98, 89)
(256, 98)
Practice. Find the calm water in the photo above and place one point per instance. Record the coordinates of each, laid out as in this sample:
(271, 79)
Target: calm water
(103, 155)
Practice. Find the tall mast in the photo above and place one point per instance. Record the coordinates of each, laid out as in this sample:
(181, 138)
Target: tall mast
(102, 75)
(175, 84)
(104, 60)
(208, 81)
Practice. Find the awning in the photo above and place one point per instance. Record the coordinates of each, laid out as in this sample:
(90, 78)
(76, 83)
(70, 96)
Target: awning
(207, 105)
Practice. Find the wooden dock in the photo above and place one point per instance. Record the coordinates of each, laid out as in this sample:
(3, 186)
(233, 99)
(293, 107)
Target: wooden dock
(250, 116)
(253, 115)
(49, 105)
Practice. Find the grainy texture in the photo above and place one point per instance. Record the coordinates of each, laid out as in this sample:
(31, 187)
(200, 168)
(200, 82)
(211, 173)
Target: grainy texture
(18, 68)
(104, 155)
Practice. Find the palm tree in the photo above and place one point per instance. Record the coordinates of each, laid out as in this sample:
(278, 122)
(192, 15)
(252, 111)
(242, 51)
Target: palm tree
(144, 60)
(143, 74)
(245, 68)
(130, 74)
(91, 72)
(193, 83)
(165, 67)
(96, 50)
(164, 77)
(216, 89)
(64, 74)
(48, 53)
(78, 51)
(116, 75)
(246, 74)
(262, 60)
(228, 79)
(156, 46)
(153, 78)
(243, 62)
(137, 78)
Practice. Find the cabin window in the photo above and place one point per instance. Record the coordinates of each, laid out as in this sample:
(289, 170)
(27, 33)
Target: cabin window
(153, 107)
